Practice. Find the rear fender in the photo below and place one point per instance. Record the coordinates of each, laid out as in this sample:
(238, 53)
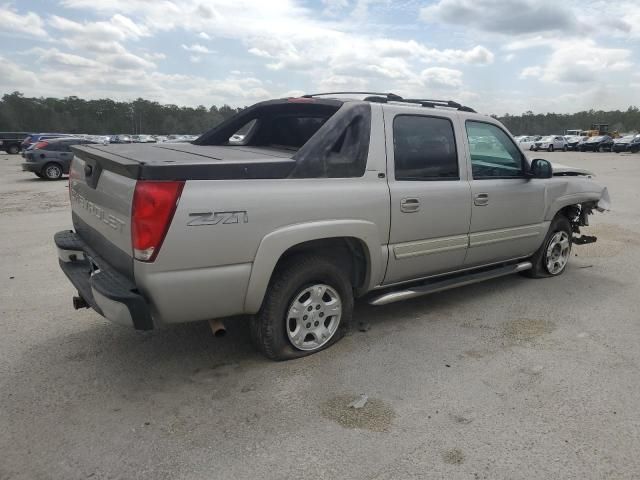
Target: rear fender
(276, 243)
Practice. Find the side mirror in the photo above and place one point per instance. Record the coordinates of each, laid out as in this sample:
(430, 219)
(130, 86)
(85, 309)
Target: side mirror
(541, 168)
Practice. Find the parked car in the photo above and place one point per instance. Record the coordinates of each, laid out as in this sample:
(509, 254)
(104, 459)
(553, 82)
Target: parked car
(36, 137)
(122, 138)
(526, 142)
(207, 230)
(550, 143)
(600, 143)
(50, 159)
(142, 139)
(573, 141)
(11, 142)
(628, 143)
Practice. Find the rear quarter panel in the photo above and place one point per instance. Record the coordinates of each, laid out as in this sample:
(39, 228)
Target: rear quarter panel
(203, 271)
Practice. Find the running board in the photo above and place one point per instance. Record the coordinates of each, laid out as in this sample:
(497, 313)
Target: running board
(439, 286)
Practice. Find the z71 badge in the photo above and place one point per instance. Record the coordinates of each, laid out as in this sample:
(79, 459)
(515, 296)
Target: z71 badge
(216, 218)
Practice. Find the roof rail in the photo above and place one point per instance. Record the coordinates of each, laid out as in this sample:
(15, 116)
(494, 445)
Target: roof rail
(392, 97)
(379, 97)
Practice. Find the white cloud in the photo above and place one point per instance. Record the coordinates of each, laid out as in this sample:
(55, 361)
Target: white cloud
(196, 48)
(441, 77)
(204, 36)
(118, 28)
(502, 16)
(14, 76)
(581, 63)
(29, 24)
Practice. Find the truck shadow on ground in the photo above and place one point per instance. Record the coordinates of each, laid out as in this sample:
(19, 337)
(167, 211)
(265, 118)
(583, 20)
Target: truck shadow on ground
(127, 359)
(103, 374)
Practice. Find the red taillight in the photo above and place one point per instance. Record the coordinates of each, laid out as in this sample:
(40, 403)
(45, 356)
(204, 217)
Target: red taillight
(154, 204)
(41, 145)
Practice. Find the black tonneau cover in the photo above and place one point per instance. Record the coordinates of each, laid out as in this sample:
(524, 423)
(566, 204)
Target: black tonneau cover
(184, 161)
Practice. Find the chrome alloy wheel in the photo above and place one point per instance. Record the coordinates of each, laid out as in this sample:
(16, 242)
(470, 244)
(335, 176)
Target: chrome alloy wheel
(53, 171)
(313, 317)
(558, 252)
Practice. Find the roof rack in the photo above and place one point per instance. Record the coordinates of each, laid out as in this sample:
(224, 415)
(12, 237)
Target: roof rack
(379, 97)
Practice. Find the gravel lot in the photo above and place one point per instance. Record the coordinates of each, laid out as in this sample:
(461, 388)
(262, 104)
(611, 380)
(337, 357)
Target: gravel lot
(509, 379)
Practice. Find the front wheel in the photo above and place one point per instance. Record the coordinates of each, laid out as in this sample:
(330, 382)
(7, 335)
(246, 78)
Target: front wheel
(307, 308)
(52, 171)
(13, 149)
(551, 259)
(550, 148)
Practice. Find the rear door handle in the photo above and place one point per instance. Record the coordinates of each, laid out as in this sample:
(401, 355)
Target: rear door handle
(409, 205)
(481, 199)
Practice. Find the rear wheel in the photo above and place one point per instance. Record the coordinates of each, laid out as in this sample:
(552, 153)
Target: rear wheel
(13, 149)
(552, 257)
(52, 171)
(307, 308)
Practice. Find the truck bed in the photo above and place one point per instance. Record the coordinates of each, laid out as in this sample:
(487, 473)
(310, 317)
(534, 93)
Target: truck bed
(185, 161)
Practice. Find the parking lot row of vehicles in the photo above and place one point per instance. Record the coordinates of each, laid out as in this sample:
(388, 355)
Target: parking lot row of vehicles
(15, 142)
(580, 143)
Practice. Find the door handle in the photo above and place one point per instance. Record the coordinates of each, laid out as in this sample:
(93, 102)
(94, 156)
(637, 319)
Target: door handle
(481, 199)
(409, 205)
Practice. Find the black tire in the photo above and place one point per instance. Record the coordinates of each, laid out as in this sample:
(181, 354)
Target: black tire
(269, 326)
(539, 260)
(13, 149)
(550, 148)
(52, 171)
(564, 149)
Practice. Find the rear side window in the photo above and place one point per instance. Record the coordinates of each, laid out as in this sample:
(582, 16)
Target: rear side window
(424, 148)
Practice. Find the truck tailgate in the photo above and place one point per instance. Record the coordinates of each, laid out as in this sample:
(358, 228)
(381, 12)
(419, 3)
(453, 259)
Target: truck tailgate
(101, 211)
(103, 179)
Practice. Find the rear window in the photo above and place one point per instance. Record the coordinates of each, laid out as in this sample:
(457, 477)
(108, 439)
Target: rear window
(289, 132)
(277, 124)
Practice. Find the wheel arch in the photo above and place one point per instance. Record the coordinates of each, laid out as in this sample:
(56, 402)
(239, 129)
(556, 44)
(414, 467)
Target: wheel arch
(353, 241)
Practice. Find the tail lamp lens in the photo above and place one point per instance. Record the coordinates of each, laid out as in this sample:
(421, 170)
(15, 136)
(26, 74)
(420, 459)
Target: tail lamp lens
(154, 204)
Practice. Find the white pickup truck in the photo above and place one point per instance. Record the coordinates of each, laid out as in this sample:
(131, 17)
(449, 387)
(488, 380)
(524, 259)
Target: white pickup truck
(320, 200)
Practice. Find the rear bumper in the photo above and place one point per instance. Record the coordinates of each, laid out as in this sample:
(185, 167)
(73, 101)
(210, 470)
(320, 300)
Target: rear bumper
(31, 167)
(104, 289)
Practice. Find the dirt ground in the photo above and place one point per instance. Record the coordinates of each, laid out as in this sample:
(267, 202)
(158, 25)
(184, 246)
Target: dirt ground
(508, 379)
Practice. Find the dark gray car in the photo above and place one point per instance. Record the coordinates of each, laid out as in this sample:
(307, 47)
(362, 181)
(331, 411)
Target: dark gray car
(51, 159)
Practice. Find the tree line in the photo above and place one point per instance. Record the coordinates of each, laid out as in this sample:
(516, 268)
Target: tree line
(106, 116)
(530, 123)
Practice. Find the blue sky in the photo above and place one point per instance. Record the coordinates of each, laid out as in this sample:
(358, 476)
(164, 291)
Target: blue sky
(496, 55)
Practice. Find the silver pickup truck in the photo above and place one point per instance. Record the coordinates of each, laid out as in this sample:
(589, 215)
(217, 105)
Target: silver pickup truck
(294, 207)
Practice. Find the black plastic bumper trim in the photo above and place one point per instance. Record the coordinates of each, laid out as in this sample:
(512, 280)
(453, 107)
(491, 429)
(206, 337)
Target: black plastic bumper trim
(97, 274)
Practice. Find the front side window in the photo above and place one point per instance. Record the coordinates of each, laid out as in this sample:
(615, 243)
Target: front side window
(493, 153)
(424, 148)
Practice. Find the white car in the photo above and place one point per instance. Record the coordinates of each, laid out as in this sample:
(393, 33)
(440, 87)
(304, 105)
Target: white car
(550, 143)
(526, 142)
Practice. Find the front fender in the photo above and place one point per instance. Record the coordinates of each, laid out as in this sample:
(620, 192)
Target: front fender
(572, 191)
(276, 243)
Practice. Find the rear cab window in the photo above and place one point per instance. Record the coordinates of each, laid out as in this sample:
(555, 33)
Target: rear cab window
(325, 138)
(424, 148)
